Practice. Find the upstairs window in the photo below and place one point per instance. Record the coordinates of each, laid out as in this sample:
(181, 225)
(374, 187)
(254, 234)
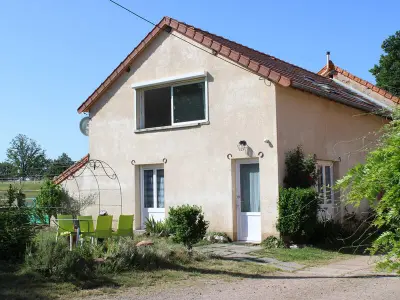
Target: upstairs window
(171, 105)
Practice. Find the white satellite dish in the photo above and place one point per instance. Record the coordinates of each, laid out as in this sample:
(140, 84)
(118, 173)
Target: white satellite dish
(84, 126)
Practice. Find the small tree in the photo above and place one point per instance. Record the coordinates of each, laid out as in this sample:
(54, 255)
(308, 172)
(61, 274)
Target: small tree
(11, 195)
(187, 225)
(301, 171)
(49, 199)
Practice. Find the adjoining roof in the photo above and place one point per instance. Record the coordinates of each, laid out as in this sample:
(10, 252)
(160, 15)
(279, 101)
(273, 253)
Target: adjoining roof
(363, 82)
(261, 64)
(71, 170)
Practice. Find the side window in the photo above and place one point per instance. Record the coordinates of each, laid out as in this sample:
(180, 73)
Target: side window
(325, 182)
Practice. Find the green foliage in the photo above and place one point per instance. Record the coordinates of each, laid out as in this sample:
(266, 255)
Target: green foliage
(353, 235)
(49, 199)
(54, 259)
(27, 156)
(377, 180)
(7, 171)
(156, 228)
(272, 242)
(122, 254)
(15, 196)
(15, 232)
(58, 165)
(297, 213)
(187, 225)
(387, 72)
(300, 170)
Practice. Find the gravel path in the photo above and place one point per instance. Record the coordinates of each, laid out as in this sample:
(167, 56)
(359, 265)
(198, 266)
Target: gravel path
(352, 279)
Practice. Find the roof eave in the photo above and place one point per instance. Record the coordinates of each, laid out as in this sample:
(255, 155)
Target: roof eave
(381, 112)
(188, 31)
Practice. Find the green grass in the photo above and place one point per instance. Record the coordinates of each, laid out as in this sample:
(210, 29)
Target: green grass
(29, 188)
(15, 283)
(306, 256)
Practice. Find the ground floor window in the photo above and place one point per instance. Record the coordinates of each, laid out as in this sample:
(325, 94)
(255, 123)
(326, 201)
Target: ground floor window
(153, 187)
(325, 182)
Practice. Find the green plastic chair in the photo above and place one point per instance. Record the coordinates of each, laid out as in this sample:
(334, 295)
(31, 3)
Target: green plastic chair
(103, 227)
(125, 226)
(65, 228)
(86, 226)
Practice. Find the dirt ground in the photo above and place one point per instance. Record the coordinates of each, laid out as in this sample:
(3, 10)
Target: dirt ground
(350, 279)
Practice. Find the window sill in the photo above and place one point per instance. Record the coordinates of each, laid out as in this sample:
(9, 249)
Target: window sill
(172, 127)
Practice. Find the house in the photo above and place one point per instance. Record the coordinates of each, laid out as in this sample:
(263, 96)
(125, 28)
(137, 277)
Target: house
(189, 117)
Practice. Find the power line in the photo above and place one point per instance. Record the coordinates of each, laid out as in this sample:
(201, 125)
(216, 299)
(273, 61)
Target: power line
(178, 37)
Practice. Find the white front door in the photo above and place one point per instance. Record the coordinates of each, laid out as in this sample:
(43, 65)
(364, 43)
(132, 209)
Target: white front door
(152, 193)
(248, 200)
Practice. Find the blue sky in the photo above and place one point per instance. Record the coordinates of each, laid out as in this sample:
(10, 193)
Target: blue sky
(53, 54)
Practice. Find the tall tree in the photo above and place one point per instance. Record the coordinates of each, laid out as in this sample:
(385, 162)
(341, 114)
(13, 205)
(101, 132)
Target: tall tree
(58, 165)
(387, 72)
(27, 156)
(7, 171)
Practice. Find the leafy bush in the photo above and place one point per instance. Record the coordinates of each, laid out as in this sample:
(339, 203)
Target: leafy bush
(354, 235)
(187, 225)
(217, 237)
(297, 213)
(15, 232)
(48, 199)
(54, 259)
(301, 171)
(15, 196)
(272, 242)
(156, 228)
(123, 254)
(377, 180)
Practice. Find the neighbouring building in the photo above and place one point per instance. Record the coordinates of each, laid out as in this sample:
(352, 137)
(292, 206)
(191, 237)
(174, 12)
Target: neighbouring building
(189, 117)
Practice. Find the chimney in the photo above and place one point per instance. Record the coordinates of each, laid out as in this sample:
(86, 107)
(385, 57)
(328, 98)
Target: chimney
(328, 58)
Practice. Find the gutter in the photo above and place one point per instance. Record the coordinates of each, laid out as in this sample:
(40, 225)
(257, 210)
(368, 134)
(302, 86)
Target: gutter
(364, 95)
(332, 97)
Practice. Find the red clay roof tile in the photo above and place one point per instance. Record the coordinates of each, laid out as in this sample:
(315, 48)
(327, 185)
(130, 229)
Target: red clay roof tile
(270, 67)
(363, 82)
(71, 170)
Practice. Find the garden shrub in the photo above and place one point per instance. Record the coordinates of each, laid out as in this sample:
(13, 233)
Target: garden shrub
(48, 200)
(354, 235)
(122, 254)
(54, 259)
(15, 232)
(186, 224)
(156, 228)
(301, 171)
(297, 213)
(272, 242)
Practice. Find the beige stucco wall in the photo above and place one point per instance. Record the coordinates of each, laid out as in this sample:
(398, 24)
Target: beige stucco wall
(362, 88)
(241, 107)
(332, 131)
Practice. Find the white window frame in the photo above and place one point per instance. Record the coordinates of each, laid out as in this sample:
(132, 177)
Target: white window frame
(323, 164)
(154, 169)
(171, 82)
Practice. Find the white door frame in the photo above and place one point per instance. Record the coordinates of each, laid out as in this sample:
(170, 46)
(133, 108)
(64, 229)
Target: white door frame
(142, 208)
(238, 198)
